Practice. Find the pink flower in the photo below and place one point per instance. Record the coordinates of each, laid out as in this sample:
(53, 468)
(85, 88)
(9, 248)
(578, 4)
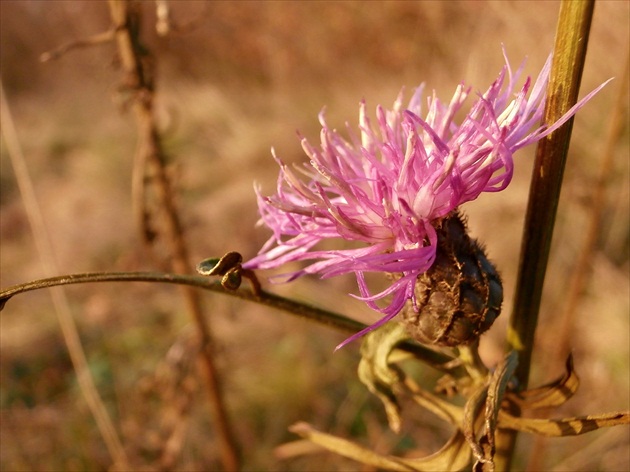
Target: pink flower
(384, 186)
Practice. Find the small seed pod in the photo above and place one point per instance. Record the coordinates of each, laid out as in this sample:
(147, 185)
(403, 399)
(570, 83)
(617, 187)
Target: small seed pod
(460, 296)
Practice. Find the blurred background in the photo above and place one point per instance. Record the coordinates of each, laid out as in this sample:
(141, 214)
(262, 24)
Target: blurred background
(239, 78)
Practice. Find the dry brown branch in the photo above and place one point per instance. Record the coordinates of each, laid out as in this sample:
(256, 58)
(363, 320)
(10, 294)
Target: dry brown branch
(100, 38)
(165, 24)
(150, 162)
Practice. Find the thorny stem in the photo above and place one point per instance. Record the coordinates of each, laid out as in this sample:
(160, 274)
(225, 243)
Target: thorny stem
(568, 61)
(150, 159)
(436, 359)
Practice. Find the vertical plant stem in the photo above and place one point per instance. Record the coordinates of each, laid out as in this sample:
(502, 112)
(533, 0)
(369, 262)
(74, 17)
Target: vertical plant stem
(67, 324)
(133, 56)
(581, 273)
(568, 61)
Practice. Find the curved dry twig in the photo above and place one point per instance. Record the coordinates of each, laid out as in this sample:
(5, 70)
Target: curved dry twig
(99, 38)
(436, 359)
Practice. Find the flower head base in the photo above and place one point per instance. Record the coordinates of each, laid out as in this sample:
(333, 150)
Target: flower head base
(388, 185)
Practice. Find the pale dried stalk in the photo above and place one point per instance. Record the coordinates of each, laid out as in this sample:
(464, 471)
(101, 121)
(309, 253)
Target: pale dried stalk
(67, 324)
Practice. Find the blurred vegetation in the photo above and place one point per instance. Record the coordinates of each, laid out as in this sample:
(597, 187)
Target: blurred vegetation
(239, 78)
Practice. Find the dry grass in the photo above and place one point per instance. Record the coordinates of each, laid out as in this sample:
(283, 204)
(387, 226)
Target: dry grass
(244, 80)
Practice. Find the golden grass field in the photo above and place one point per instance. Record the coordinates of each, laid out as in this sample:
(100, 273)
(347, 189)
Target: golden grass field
(243, 78)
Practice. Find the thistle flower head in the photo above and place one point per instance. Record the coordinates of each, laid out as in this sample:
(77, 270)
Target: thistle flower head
(385, 185)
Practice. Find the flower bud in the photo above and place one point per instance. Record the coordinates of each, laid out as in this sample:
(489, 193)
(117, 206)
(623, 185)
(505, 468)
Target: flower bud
(460, 296)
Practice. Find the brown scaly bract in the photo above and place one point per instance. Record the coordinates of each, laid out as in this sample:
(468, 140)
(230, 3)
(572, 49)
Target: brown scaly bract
(460, 295)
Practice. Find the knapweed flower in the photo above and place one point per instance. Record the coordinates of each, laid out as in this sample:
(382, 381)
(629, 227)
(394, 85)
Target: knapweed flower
(391, 186)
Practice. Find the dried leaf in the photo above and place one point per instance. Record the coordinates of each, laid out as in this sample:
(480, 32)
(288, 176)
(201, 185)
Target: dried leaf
(565, 426)
(490, 397)
(472, 411)
(301, 447)
(455, 455)
(552, 394)
(496, 391)
(447, 411)
(346, 448)
(376, 372)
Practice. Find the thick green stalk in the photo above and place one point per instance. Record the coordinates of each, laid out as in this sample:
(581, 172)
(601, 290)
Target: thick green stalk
(568, 61)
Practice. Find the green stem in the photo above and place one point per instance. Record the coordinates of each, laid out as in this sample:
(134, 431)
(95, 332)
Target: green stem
(436, 359)
(568, 61)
